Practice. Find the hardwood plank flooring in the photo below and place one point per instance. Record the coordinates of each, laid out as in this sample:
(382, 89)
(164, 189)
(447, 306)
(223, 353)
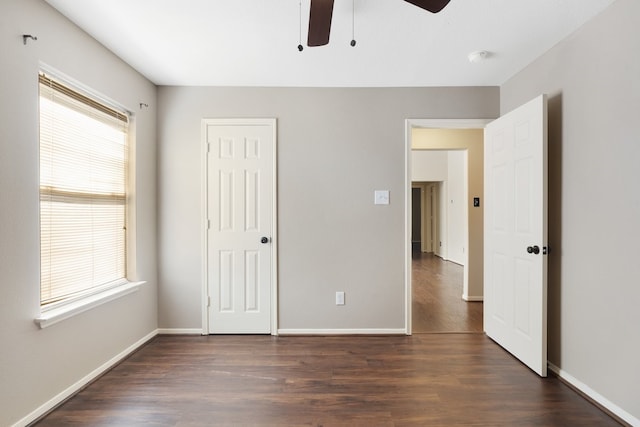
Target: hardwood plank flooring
(420, 380)
(437, 304)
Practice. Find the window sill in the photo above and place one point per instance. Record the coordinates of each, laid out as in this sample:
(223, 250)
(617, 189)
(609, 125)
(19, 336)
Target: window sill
(51, 317)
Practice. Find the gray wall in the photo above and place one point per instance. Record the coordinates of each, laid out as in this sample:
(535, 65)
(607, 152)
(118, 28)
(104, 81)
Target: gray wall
(35, 364)
(593, 82)
(335, 147)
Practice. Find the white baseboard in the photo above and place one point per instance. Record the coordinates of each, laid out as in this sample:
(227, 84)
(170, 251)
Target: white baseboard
(595, 396)
(341, 332)
(79, 385)
(471, 298)
(179, 331)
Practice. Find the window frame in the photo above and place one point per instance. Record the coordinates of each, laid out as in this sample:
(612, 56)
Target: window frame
(51, 313)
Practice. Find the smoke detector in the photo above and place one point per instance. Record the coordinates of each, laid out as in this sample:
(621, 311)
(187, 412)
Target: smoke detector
(478, 56)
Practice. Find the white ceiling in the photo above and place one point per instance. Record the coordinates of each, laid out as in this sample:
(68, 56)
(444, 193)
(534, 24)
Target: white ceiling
(254, 42)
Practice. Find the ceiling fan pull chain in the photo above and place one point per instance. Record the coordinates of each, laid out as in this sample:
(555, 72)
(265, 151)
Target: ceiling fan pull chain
(300, 48)
(353, 23)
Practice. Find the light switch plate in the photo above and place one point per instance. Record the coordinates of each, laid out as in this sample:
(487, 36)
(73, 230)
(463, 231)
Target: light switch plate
(381, 197)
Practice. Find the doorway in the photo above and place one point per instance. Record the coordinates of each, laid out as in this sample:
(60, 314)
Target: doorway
(438, 263)
(425, 218)
(473, 260)
(417, 215)
(515, 315)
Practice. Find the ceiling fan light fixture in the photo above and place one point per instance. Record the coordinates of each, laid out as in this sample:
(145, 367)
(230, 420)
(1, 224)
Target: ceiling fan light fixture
(478, 56)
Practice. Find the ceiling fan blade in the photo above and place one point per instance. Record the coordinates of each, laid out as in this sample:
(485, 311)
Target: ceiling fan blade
(320, 22)
(433, 6)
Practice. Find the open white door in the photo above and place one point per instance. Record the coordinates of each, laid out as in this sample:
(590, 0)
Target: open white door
(240, 221)
(515, 233)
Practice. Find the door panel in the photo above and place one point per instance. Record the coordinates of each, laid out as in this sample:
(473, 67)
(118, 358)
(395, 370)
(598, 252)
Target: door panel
(515, 277)
(240, 197)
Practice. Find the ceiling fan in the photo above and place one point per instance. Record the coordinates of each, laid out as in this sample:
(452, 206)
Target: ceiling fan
(321, 11)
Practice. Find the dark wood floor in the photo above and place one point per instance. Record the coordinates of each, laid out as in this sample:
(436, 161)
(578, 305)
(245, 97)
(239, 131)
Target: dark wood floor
(437, 304)
(421, 380)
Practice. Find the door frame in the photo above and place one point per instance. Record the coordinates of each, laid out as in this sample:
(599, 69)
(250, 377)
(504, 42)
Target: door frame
(428, 215)
(420, 187)
(433, 225)
(204, 180)
(410, 124)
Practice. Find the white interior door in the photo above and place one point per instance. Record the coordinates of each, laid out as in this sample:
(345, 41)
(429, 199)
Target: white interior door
(240, 271)
(515, 233)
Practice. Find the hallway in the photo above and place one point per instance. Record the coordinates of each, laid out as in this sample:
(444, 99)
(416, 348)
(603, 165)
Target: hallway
(437, 304)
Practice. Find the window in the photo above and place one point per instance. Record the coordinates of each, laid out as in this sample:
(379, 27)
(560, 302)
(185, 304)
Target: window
(83, 194)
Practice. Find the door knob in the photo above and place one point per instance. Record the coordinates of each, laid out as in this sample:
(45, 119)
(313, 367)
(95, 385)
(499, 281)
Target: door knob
(533, 250)
(264, 240)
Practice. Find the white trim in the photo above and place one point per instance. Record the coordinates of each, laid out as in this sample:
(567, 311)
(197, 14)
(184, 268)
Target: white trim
(83, 382)
(407, 227)
(594, 395)
(205, 217)
(204, 221)
(180, 331)
(431, 124)
(472, 298)
(398, 331)
(51, 317)
(274, 230)
(83, 88)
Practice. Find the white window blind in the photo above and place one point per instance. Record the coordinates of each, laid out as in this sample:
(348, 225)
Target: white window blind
(83, 182)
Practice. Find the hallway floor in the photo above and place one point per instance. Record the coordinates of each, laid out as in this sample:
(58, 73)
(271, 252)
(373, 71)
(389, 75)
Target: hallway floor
(437, 297)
